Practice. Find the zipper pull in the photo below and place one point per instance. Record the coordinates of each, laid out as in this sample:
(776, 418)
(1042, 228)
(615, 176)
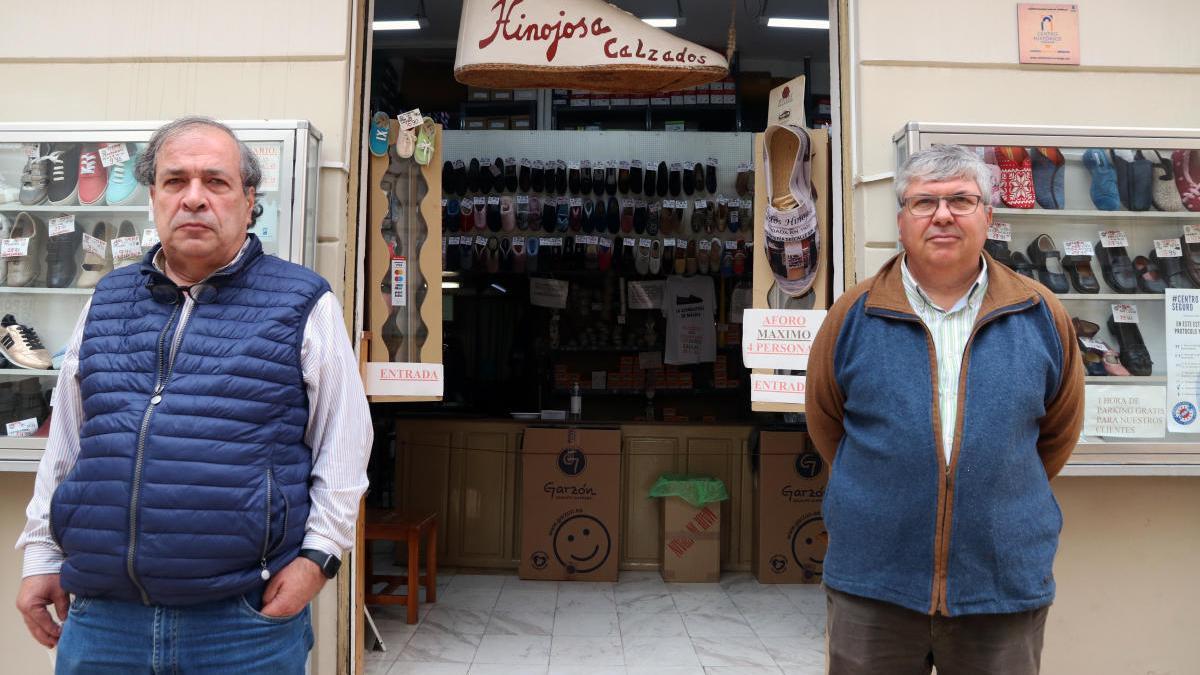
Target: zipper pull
(265, 573)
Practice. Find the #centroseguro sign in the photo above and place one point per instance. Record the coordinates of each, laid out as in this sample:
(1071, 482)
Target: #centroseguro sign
(779, 339)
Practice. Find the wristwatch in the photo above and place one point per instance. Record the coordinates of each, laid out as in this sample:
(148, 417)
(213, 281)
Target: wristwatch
(328, 562)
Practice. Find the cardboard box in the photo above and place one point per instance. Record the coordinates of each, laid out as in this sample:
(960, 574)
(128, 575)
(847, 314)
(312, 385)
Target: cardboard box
(691, 541)
(789, 533)
(497, 123)
(477, 94)
(475, 123)
(519, 122)
(570, 504)
(524, 94)
(502, 95)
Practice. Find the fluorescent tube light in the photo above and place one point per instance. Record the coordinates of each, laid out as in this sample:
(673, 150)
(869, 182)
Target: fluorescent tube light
(780, 22)
(446, 285)
(662, 23)
(402, 24)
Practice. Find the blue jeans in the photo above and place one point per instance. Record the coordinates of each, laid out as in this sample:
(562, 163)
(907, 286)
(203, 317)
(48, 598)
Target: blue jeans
(226, 636)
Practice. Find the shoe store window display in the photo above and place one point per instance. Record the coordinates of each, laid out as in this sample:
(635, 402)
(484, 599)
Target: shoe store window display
(928, 439)
(206, 378)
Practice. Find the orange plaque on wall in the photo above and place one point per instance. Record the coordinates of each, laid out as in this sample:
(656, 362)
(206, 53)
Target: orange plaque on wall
(1048, 34)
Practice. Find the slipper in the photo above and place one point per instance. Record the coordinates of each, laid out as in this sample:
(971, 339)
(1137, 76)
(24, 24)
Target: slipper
(1079, 268)
(532, 249)
(447, 177)
(668, 256)
(573, 180)
(563, 216)
(635, 176)
(549, 215)
(655, 257)
(735, 217)
(1141, 183)
(650, 180)
(1112, 362)
(590, 218)
(1117, 268)
(662, 180)
(508, 220)
(698, 221)
(598, 181)
(565, 257)
(537, 177)
(1049, 172)
(1016, 177)
(1121, 160)
(1093, 361)
(450, 216)
(494, 221)
(499, 181)
(1048, 260)
(727, 263)
(466, 254)
(698, 172)
(1149, 279)
(1174, 271)
(460, 178)
(510, 177)
(591, 256)
(675, 180)
(466, 214)
(641, 264)
(680, 256)
(689, 180)
(691, 265)
(721, 217)
(1134, 355)
(629, 253)
(481, 219)
(703, 253)
(585, 177)
(1191, 259)
(1166, 197)
(604, 255)
(1084, 328)
(560, 178)
(505, 255)
(710, 178)
(666, 219)
(739, 258)
(1022, 265)
(473, 175)
(481, 254)
(716, 250)
(1103, 192)
(1187, 178)
(450, 253)
(575, 218)
(623, 180)
(653, 219)
(639, 219)
(627, 218)
(518, 254)
(612, 216)
(740, 184)
(988, 155)
(610, 180)
(523, 213)
(380, 127)
(426, 135)
(523, 177)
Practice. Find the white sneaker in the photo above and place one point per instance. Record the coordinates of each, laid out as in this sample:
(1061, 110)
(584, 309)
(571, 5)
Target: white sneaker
(793, 242)
(22, 346)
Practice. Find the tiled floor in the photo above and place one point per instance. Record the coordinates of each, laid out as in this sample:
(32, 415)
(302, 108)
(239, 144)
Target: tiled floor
(501, 625)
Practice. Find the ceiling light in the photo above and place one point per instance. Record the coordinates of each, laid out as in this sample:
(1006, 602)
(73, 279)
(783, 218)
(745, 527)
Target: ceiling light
(780, 22)
(402, 24)
(664, 23)
(447, 285)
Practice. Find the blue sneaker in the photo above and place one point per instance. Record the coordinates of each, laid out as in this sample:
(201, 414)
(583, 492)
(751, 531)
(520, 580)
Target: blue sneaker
(123, 188)
(379, 134)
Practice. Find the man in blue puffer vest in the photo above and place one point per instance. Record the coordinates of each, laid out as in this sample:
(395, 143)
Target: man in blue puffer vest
(209, 441)
(946, 392)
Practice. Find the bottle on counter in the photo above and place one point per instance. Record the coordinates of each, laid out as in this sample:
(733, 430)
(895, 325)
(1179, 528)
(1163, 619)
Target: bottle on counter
(576, 402)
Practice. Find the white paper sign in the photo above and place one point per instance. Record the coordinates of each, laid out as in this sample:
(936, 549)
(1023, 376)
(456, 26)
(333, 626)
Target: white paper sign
(404, 379)
(1077, 247)
(1183, 360)
(61, 225)
(550, 293)
(1124, 411)
(779, 339)
(1191, 234)
(268, 161)
(1168, 248)
(149, 237)
(410, 120)
(113, 153)
(94, 245)
(1113, 238)
(22, 428)
(999, 232)
(1094, 345)
(646, 294)
(399, 282)
(777, 388)
(1123, 313)
(14, 248)
(126, 248)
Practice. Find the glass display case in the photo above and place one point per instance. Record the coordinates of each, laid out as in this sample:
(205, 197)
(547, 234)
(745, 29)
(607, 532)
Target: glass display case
(1109, 220)
(71, 211)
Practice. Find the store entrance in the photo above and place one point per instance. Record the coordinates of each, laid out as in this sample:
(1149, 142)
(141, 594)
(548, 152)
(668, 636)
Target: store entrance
(597, 256)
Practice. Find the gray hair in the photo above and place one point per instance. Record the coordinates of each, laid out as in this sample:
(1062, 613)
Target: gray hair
(147, 162)
(944, 162)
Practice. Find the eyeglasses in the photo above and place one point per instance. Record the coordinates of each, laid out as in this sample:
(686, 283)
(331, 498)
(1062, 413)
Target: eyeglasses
(927, 205)
(170, 294)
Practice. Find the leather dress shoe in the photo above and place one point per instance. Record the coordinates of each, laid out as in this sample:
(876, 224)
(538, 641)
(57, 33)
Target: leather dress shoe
(1149, 276)
(1048, 264)
(1117, 268)
(1171, 272)
(1079, 268)
(60, 259)
(1134, 354)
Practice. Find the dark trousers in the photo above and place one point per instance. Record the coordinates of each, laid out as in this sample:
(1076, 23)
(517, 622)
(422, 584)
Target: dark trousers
(867, 637)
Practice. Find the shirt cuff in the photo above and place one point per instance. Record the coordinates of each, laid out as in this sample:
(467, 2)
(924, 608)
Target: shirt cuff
(323, 544)
(41, 559)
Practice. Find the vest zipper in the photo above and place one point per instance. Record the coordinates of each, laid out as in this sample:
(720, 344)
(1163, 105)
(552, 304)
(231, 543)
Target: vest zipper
(164, 369)
(266, 573)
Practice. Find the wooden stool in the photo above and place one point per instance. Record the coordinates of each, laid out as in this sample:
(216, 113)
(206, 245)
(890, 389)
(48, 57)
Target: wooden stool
(400, 527)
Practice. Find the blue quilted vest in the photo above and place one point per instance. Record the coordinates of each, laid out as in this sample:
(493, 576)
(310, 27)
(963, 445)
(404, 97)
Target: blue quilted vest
(193, 475)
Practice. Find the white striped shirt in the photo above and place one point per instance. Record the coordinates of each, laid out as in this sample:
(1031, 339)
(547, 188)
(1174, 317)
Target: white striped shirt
(950, 330)
(339, 433)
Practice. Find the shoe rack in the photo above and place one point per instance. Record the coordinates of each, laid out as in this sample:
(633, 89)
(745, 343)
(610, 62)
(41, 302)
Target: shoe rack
(766, 293)
(411, 209)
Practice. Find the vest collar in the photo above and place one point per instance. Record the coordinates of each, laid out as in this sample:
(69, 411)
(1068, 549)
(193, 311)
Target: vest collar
(251, 252)
(1005, 288)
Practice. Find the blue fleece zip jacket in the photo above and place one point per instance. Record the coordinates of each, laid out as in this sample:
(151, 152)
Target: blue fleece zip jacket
(977, 536)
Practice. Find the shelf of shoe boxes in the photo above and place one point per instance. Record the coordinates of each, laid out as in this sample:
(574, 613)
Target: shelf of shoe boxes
(64, 208)
(721, 95)
(406, 326)
(488, 244)
(1082, 221)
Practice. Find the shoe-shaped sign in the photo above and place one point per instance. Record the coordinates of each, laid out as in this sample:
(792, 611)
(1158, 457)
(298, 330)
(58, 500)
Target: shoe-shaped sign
(575, 44)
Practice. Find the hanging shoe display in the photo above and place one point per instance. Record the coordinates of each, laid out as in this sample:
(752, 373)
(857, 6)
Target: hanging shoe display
(792, 239)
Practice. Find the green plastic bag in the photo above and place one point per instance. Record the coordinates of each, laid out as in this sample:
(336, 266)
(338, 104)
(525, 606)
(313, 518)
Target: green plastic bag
(693, 489)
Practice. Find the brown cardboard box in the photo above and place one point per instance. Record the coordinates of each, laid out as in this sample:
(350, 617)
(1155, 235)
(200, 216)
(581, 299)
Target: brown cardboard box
(789, 533)
(475, 123)
(477, 94)
(502, 94)
(691, 541)
(570, 504)
(497, 123)
(521, 122)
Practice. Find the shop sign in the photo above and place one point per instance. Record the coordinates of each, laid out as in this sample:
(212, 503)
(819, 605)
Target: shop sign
(1183, 360)
(550, 293)
(1123, 411)
(404, 379)
(779, 339)
(268, 161)
(1048, 34)
(786, 103)
(777, 388)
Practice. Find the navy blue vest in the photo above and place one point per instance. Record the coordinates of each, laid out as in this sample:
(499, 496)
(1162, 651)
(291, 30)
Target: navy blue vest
(193, 473)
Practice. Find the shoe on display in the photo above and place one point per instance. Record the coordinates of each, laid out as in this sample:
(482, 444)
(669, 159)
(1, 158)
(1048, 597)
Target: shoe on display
(378, 142)
(535, 212)
(518, 255)
(649, 181)
(523, 176)
(5, 233)
(1079, 269)
(510, 177)
(1023, 266)
(792, 240)
(498, 180)
(1049, 172)
(406, 143)
(473, 176)
(1165, 197)
(661, 184)
(426, 136)
(1191, 259)
(532, 249)
(22, 346)
(25, 270)
(635, 177)
(1187, 177)
(1135, 180)
(610, 181)
(689, 180)
(35, 181)
(1048, 262)
(125, 231)
(1149, 278)
(560, 178)
(508, 220)
(650, 59)
(588, 218)
(61, 265)
(1016, 177)
(573, 183)
(1103, 192)
(64, 174)
(598, 181)
(1116, 267)
(675, 182)
(1175, 272)
(93, 177)
(1134, 354)
(710, 178)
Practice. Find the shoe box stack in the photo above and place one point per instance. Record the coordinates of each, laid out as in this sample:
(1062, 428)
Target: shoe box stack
(73, 248)
(638, 218)
(1113, 180)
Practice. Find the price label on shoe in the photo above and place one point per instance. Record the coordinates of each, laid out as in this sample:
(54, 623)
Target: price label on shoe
(399, 282)
(493, 200)
(518, 241)
(576, 202)
(14, 248)
(1191, 234)
(454, 241)
(654, 208)
(669, 242)
(573, 164)
(466, 204)
(730, 244)
(676, 166)
(1113, 238)
(1168, 248)
(61, 225)
(459, 164)
(712, 161)
(22, 428)
(480, 240)
(704, 244)
(735, 216)
(702, 203)
(747, 203)
(149, 237)
(1077, 247)
(113, 153)
(999, 232)
(522, 200)
(539, 164)
(735, 203)
(510, 161)
(410, 120)
(722, 201)
(636, 164)
(94, 245)
(644, 243)
(624, 164)
(743, 167)
(126, 248)
(1094, 345)
(592, 240)
(1125, 313)
(639, 203)
(629, 242)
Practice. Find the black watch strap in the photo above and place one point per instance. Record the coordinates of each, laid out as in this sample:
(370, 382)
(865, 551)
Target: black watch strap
(328, 563)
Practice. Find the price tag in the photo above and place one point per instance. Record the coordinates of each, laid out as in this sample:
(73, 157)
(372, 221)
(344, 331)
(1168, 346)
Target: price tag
(480, 240)
(576, 202)
(458, 164)
(730, 244)
(94, 245)
(593, 240)
(1125, 313)
(557, 241)
(543, 241)
(644, 243)
(735, 203)
(22, 428)
(624, 164)
(1077, 247)
(466, 204)
(522, 200)
(493, 200)
(999, 232)
(636, 164)
(1094, 345)
(605, 242)
(518, 241)
(62, 225)
(722, 201)
(455, 241)
(610, 164)
(399, 282)
(525, 162)
(735, 216)
(744, 167)
(669, 243)
(1168, 248)
(113, 153)
(655, 207)
(629, 242)
(704, 244)
(702, 203)
(747, 203)
(639, 203)
(149, 237)
(510, 161)
(573, 164)
(14, 248)
(676, 166)
(538, 164)
(712, 161)
(1191, 234)
(32, 150)
(585, 165)
(1113, 238)
(126, 248)
(410, 120)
